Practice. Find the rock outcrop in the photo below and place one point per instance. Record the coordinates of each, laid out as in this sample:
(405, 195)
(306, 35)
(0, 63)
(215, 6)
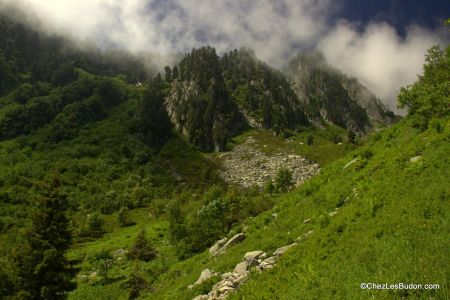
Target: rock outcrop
(225, 244)
(254, 260)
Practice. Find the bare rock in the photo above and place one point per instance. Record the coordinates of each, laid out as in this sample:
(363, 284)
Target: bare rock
(205, 275)
(280, 251)
(234, 240)
(241, 268)
(415, 159)
(253, 255)
(213, 250)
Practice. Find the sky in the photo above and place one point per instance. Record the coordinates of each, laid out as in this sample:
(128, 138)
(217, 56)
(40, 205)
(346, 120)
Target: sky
(381, 42)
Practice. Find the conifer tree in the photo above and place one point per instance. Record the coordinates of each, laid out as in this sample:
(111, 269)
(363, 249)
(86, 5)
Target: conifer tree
(43, 269)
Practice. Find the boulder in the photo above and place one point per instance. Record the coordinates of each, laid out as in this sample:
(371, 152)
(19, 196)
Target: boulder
(241, 268)
(201, 297)
(234, 240)
(280, 251)
(253, 255)
(119, 253)
(205, 275)
(217, 246)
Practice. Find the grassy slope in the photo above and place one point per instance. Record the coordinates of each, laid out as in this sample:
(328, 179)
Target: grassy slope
(393, 228)
(323, 151)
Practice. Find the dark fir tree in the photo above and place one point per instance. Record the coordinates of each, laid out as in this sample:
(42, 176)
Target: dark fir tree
(142, 249)
(154, 122)
(351, 137)
(43, 269)
(168, 74)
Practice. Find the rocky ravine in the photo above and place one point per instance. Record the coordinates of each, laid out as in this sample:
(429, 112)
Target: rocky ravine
(246, 166)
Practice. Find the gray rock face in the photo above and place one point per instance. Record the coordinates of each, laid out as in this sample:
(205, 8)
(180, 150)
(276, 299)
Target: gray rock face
(234, 240)
(205, 275)
(280, 251)
(253, 255)
(241, 268)
(217, 246)
(331, 96)
(246, 166)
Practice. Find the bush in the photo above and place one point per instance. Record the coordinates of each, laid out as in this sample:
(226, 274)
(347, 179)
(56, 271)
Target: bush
(283, 180)
(142, 249)
(136, 283)
(269, 187)
(123, 218)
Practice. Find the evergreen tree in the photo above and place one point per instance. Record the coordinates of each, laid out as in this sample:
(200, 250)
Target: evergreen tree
(175, 72)
(142, 249)
(44, 271)
(153, 118)
(168, 74)
(351, 137)
(283, 181)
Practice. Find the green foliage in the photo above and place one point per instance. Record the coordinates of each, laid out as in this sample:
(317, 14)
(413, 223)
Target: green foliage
(327, 89)
(262, 92)
(123, 217)
(104, 266)
(269, 187)
(154, 122)
(351, 137)
(204, 112)
(429, 96)
(141, 248)
(136, 283)
(283, 179)
(43, 268)
(310, 140)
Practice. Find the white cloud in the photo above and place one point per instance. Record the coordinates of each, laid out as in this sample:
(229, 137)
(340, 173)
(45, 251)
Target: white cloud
(378, 57)
(276, 30)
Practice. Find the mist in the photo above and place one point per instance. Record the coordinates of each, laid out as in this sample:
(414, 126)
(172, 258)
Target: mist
(276, 30)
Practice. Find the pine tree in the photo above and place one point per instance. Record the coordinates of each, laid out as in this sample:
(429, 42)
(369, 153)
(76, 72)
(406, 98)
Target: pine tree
(44, 271)
(153, 118)
(142, 249)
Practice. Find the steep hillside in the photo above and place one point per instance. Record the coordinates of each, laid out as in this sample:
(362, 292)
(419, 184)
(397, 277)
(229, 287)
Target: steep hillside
(263, 94)
(198, 102)
(331, 96)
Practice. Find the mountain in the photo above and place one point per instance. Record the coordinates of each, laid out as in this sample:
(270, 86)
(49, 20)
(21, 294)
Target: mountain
(199, 104)
(264, 95)
(312, 211)
(331, 96)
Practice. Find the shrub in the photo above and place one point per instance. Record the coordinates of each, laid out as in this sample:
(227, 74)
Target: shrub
(142, 249)
(123, 217)
(283, 180)
(269, 187)
(136, 283)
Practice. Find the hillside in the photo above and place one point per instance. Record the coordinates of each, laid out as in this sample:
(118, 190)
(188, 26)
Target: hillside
(331, 96)
(220, 177)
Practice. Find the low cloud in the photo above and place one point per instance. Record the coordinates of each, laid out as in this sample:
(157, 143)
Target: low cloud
(276, 30)
(378, 57)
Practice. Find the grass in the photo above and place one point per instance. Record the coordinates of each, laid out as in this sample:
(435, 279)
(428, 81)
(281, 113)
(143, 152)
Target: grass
(391, 226)
(323, 150)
